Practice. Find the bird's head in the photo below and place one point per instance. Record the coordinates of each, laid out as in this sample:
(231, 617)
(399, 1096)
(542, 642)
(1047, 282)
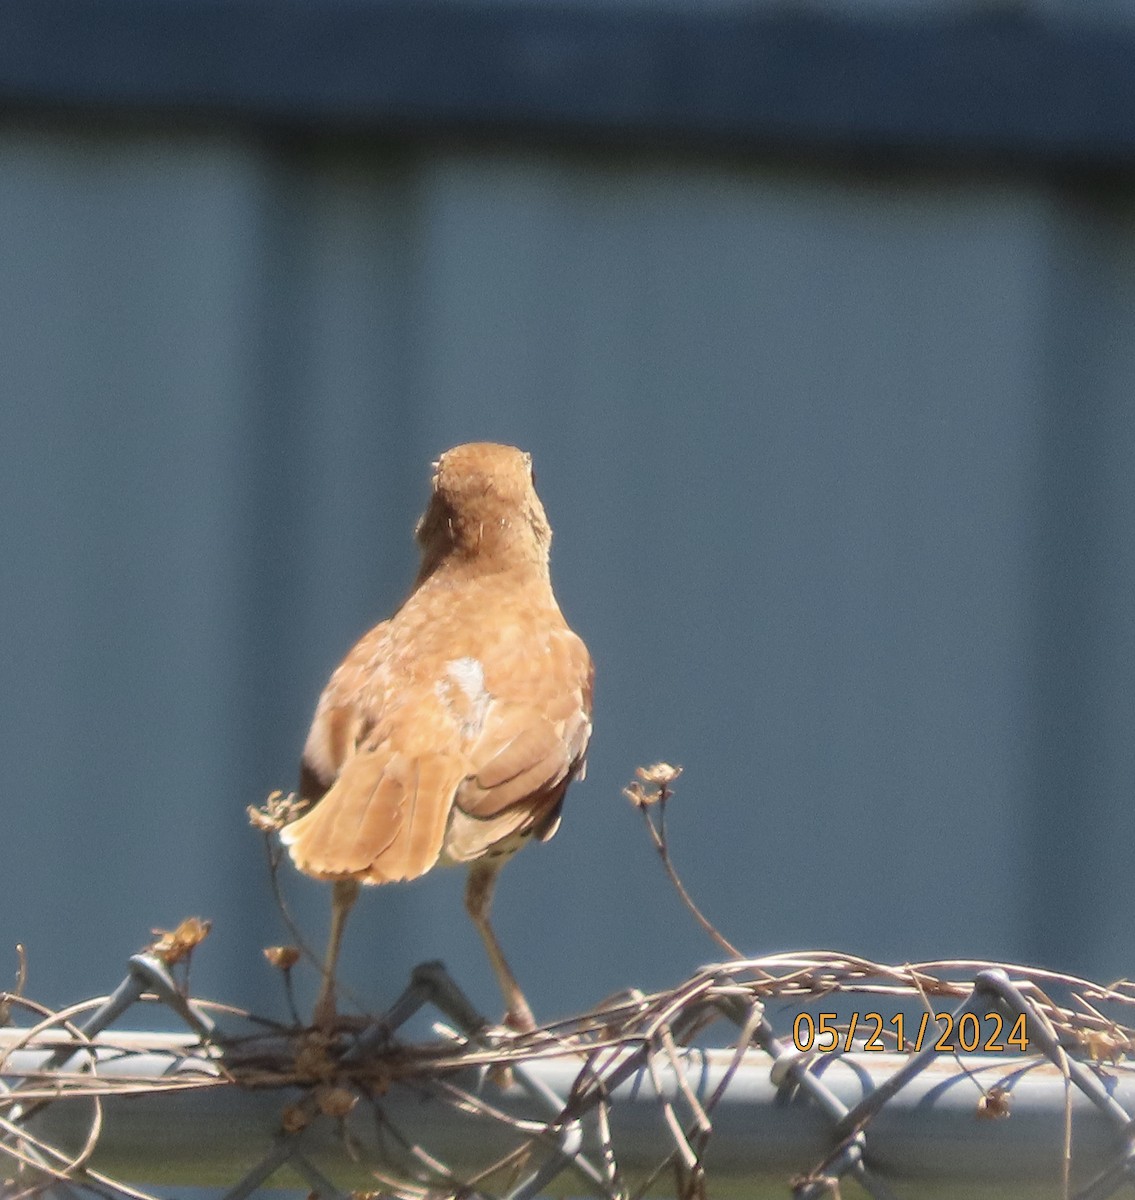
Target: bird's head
(484, 507)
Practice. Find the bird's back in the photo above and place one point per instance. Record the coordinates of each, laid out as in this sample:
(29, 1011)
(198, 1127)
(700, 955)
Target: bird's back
(449, 733)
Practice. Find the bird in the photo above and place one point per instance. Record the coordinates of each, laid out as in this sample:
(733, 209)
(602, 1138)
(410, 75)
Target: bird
(450, 733)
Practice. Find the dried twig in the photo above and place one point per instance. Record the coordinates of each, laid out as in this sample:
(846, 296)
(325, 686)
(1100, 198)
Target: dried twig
(649, 793)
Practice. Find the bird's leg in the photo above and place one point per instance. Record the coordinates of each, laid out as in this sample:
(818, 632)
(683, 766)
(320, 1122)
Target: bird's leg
(478, 902)
(342, 898)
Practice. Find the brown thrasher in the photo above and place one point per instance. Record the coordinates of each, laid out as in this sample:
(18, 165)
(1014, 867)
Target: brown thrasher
(450, 732)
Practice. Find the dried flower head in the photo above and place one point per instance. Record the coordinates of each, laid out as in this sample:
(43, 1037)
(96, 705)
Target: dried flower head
(283, 958)
(994, 1105)
(657, 780)
(279, 810)
(174, 945)
(660, 774)
(1104, 1045)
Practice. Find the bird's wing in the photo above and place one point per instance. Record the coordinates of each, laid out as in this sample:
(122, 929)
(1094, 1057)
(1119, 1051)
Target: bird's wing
(350, 707)
(520, 755)
(383, 819)
(526, 749)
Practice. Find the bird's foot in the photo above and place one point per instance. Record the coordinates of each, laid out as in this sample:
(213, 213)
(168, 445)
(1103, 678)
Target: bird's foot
(519, 1019)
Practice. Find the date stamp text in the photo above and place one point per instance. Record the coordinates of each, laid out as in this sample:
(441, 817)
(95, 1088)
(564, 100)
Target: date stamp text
(988, 1034)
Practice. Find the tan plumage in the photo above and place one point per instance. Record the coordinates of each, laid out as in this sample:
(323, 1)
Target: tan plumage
(451, 732)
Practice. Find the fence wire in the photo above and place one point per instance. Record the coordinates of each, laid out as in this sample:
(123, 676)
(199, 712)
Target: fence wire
(808, 1069)
(813, 1070)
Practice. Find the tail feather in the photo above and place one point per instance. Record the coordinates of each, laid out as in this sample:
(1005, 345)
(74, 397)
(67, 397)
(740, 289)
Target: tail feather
(382, 820)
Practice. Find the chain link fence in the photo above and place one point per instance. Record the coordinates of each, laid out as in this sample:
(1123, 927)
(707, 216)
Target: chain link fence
(815, 1073)
(805, 1072)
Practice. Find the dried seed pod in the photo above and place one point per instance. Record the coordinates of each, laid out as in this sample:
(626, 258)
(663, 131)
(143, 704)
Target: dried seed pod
(282, 957)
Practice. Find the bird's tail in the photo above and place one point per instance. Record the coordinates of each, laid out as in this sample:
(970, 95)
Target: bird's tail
(382, 820)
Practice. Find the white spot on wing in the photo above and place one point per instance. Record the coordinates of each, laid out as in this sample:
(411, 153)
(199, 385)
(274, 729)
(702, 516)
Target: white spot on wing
(463, 692)
(469, 676)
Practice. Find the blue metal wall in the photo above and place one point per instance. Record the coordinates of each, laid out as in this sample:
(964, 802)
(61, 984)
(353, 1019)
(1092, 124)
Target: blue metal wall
(838, 459)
